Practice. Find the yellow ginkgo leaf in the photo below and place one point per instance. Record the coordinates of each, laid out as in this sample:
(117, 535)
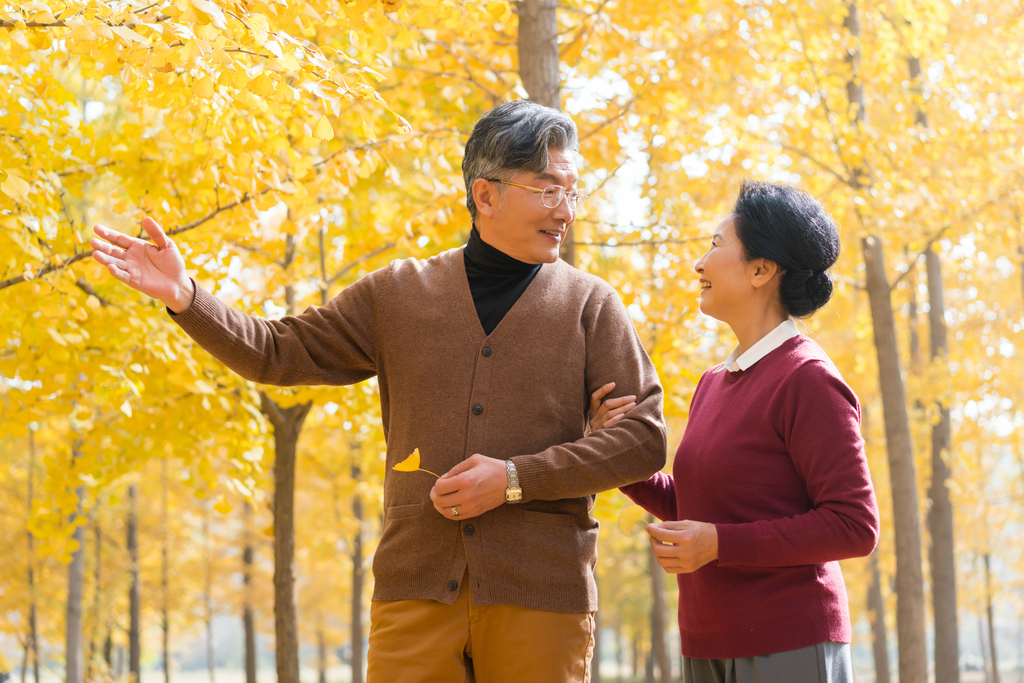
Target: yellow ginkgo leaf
(262, 86)
(14, 187)
(223, 506)
(410, 464)
(628, 517)
(269, 531)
(203, 88)
(323, 130)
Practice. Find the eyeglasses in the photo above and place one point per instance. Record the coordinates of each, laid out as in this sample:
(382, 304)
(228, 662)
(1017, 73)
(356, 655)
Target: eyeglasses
(552, 195)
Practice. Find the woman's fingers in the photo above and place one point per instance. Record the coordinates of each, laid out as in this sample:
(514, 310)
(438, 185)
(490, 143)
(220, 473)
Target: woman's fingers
(595, 398)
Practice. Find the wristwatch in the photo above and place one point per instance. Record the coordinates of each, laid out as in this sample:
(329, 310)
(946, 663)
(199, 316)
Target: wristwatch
(513, 494)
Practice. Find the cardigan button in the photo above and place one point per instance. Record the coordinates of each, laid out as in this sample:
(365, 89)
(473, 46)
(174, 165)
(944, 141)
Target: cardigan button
(477, 409)
(453, 585)
(487, 352)
(468, 530)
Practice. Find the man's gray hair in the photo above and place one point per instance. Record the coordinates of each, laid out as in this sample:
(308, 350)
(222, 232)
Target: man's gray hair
(512, 138)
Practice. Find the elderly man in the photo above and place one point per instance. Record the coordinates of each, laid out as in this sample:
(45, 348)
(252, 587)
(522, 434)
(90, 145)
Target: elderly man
(486, 357)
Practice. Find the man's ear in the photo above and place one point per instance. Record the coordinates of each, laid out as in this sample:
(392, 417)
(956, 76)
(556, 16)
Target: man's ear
(762, 271)
(485, 196)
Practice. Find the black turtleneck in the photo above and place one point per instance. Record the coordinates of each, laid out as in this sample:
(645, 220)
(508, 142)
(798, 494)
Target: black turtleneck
(496, 280)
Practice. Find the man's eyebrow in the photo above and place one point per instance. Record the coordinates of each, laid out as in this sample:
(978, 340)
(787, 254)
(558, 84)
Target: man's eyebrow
(548, 176)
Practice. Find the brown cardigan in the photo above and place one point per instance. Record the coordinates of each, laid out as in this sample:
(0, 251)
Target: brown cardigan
(449, 390)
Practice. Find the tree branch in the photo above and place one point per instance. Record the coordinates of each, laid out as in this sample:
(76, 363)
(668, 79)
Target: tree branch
(62, 264)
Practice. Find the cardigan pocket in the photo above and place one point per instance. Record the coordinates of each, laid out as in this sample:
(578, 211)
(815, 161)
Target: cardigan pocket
(548, 518)
(399, 511)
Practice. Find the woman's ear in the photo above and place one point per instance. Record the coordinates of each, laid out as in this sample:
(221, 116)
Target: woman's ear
(485, 196)
(762, 271)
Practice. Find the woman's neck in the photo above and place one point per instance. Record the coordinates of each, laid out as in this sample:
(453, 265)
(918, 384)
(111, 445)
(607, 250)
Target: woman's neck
(754, 325)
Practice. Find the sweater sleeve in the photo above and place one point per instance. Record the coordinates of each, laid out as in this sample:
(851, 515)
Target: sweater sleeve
(657, 495)
(632, 449)
(333, 344)
(819, 418)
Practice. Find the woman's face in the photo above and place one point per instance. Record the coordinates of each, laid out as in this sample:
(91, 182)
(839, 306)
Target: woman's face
(725, 285)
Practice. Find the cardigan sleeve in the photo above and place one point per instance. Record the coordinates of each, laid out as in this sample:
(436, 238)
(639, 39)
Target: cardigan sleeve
(657, 495)
(333, 344)
(629, 451)
(819, 419)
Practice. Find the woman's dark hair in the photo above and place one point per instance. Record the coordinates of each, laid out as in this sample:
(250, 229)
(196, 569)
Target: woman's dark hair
(791, 228)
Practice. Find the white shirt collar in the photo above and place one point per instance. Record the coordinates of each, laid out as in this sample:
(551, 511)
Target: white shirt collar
(765, 345)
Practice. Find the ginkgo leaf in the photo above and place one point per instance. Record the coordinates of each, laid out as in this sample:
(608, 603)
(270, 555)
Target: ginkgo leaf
(261, 85)
(497, 9)
(269, 531)
(126, 408)
(203, 88)
(223, 506)
(323, 130)
(410, 464)
(629, 516)
(14, 187)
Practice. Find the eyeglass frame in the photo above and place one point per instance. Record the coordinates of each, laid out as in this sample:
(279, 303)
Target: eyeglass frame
(562, 194)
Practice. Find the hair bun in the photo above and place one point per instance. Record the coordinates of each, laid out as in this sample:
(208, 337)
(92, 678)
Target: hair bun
(819, 288)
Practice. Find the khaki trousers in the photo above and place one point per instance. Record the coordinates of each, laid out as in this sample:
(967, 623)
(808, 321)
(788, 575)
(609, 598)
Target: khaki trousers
(413, 641)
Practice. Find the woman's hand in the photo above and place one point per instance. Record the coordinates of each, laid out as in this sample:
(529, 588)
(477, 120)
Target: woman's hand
(683, 547)
(156, 269)
(611, 411)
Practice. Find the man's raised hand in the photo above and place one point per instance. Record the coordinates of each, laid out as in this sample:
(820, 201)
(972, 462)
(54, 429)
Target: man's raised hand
(156, 270)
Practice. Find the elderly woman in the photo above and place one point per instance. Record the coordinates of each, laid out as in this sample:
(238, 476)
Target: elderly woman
(770, 485)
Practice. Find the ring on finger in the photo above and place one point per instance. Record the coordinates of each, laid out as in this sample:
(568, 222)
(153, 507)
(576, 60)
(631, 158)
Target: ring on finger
(455, 511)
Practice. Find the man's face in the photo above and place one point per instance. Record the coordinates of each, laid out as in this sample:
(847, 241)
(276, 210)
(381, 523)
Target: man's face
(519, 224)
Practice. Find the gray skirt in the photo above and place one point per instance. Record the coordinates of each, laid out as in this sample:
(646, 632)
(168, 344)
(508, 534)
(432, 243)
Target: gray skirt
(826, 662)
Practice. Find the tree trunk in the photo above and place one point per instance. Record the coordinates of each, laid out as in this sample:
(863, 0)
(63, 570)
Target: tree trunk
(876, 614)
(984, 649)
(33, 628)
(287, 426)
(538, 69)
(659, 650)
(940, 513)
(913, 658)
(165, 620)
(990, 618)
(211, 660)
(90, 662)
(248, 619)
(321, 652)
(135, 591)
(595, 664)
(357, 584)
(76, 577)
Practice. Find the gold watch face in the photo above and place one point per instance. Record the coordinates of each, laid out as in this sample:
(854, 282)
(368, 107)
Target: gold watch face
(513, 495)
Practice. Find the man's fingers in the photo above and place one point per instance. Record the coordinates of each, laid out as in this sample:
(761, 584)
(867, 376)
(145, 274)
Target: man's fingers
(114, 237)
(106, 248)
(107, 260)
(659, 533)
(119, 273)
(155, 233)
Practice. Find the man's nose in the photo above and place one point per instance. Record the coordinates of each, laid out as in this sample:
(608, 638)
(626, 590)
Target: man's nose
(564, 212)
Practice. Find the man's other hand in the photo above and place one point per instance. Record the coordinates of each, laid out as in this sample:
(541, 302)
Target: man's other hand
(156, 270)
(473, 487)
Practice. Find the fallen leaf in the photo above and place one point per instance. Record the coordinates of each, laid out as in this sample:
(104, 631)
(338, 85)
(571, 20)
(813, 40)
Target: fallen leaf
(629, 516)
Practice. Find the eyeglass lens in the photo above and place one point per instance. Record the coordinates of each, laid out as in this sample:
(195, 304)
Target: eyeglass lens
(553, 194)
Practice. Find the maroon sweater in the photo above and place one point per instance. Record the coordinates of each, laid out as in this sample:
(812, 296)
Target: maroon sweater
(773, 457)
